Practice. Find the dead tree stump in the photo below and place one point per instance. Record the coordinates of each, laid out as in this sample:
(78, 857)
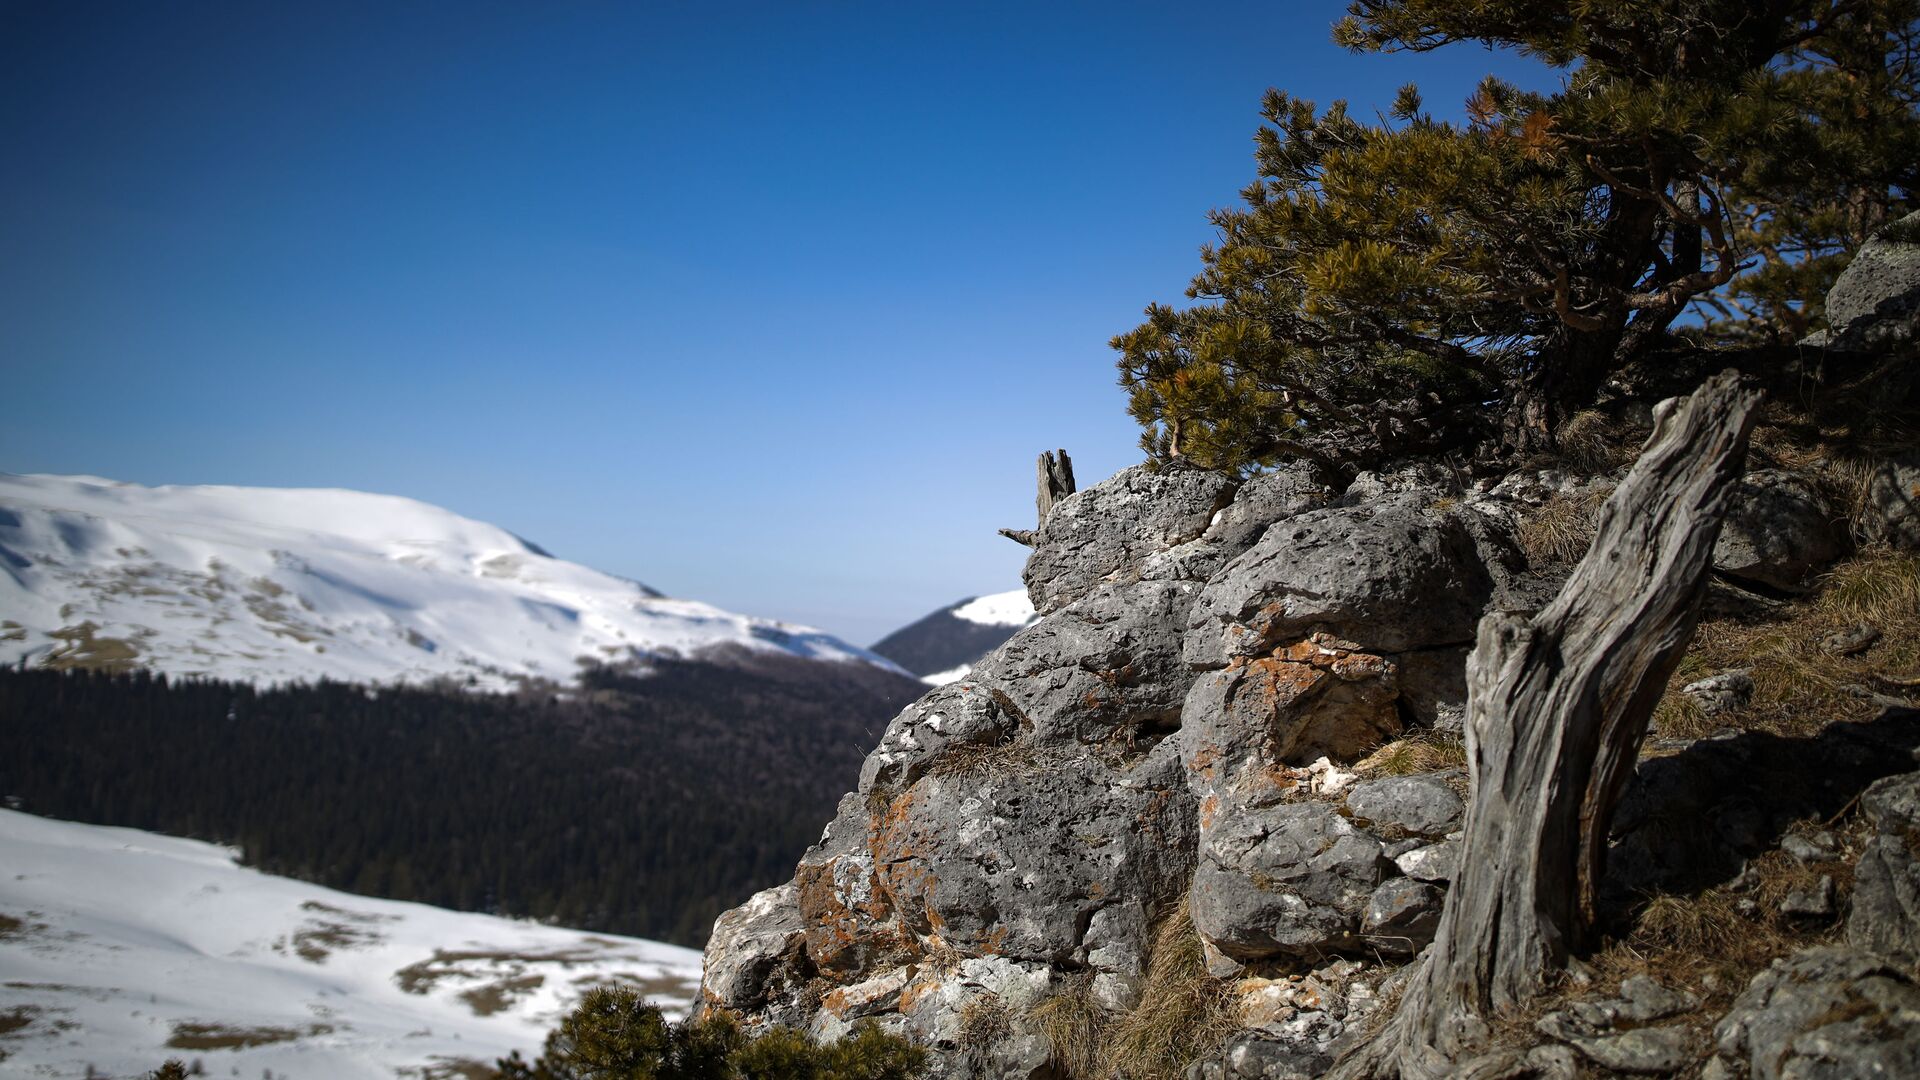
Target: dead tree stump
(1054, 482)
(1557, 707)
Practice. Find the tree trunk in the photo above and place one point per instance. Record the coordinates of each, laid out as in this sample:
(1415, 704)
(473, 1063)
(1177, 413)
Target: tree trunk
(1557, 708)
(1053, 481)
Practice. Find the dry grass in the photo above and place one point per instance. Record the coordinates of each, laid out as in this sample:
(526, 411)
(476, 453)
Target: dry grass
(1560, 530)
(984, 1020)
(1428, 751)
(1594, 442)
(1182, 1015)
(1798, 688)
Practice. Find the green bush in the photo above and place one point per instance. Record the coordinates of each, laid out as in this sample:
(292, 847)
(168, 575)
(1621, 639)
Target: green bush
(615, 1035)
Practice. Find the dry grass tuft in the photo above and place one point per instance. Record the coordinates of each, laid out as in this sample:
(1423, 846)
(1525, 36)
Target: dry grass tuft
(1183, 1014)
(984, 1020)
(1562, 528)
(1428, 751)
(1075, 1029)
(1594, 442)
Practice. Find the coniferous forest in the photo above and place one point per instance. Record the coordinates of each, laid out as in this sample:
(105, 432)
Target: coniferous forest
(639, 804)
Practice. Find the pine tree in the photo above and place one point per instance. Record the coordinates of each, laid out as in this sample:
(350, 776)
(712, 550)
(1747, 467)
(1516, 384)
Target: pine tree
(1394, 286)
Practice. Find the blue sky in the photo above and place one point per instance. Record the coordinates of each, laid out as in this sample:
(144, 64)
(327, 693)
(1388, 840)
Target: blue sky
(770, 305)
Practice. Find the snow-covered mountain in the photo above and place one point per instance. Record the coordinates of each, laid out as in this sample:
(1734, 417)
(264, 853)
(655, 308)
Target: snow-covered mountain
(120, 949)
(943, 646)
(275, 584)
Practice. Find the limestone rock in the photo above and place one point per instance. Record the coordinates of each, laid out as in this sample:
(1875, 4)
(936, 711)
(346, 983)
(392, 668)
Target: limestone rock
(957, 715)
(1434, 862)
(1873, 304)
(1885, 916)
(1825, 1014)
(1310, 700)
(1389, 579)
(1014, 855)
(1401, 916)
(1423, 804)
(1107, 665)
(1890, 514)
(1780, 529)
(1107, 529)
(1729, 691)
(1292, 880)
(753, 950)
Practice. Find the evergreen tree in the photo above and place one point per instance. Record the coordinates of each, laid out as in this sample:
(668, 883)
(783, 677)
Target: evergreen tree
(1387, 282)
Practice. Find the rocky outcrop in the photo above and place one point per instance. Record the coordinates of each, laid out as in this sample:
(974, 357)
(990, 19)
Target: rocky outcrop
(1184, 727)
(1822, 1013)
(1890, 513)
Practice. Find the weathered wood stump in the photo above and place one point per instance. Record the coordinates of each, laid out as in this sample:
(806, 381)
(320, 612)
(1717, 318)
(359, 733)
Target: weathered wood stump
(1557, 707)
(1054, 482)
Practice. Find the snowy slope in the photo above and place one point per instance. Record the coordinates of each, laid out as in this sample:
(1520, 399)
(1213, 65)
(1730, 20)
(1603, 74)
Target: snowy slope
(273, 585)
(943, 646)
(126, 942)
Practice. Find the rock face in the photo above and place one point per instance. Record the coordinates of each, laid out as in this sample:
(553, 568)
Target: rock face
(1886, 889)
(1824, 1013)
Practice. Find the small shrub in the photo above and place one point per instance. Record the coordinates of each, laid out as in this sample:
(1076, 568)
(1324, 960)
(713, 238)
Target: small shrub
(613, 1034)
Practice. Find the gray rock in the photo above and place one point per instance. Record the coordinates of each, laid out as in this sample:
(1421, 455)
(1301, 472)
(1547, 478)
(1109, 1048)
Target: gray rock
(1779, 530)
(1313, 700)
(752, 947)
(1644, 1000)
(1107, 665)
(839, 899)
(1820, 847)
(1825, 1014)
(1388, 579)
(1890, 514)
(959, 714)
(1872, 304)
(1892, 803)
(1729, 691)
(1424, 804)
(1293, 880)
(1401, 916)
(1016, 855)
(1642, 1051)
(1885, 914)
(1106, 530)
(1853, 640)
(1435, 862)
(1433, 686)
(1813, 902)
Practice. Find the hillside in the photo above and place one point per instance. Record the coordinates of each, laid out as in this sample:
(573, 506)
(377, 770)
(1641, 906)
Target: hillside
(123, 948)
(277, 584)
(943, 646)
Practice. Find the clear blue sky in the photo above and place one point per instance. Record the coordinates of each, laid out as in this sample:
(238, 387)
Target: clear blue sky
(770, 305)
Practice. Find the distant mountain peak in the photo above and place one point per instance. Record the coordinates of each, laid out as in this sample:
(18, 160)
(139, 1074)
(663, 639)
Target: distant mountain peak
(273, 585)
(943, 646)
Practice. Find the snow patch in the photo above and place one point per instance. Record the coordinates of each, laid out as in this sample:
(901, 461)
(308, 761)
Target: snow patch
(126, 942)
(1001, 609)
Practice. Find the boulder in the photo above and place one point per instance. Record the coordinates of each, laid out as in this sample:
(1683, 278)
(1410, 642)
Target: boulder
(1729, 691)
(1390, 579)
(1885, 918)
(754, 951)
(1422, 805)
(1292, 880)
(1824, 1014)
(1401, 916)
(1106, 530)
(1107, 665)
(1890, 513)
(1780, 529)
(1313, 699)
(844, 912)
(1016, 853)
(1873, 304)
(951, 717)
